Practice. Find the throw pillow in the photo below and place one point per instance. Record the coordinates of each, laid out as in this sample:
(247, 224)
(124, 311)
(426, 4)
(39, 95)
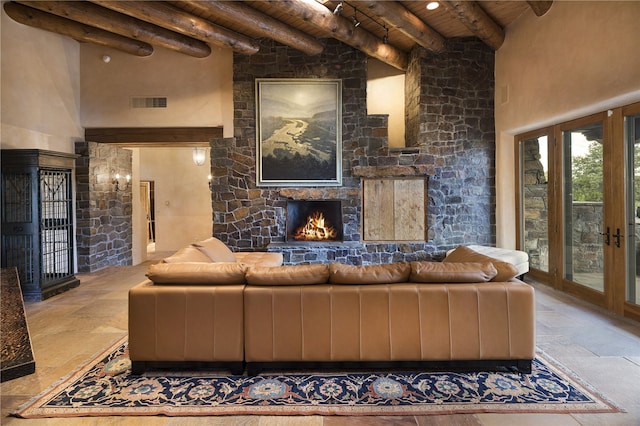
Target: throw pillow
(197, 273)
(215, 249)
(369, 274)
(506, 271)
(452, 272)
(287, 275)
(187, 254)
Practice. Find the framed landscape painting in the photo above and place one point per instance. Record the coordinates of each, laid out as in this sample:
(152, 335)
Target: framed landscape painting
(299, 132)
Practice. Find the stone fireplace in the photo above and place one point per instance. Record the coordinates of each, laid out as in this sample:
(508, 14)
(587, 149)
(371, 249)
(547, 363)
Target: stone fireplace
(450, 140)
(314, 220)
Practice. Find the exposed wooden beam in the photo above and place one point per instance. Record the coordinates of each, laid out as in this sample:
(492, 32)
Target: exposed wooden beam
(170, 17)
(154, 136)
(399, 17)
(477, 20)
(342, 29)
(80, 32)
(263, 24)
(108, 20)
(540, 7)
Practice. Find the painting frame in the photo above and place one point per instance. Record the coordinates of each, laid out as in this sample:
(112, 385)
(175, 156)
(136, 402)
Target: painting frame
(298, 132)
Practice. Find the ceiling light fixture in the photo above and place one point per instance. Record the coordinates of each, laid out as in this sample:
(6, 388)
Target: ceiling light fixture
(433, 5)
(356, 23)
(338, 10)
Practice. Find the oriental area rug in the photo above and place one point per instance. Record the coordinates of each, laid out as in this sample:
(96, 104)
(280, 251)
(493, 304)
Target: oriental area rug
(106, 387)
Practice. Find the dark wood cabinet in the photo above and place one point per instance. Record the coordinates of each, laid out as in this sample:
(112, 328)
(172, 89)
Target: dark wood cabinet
(37, 220)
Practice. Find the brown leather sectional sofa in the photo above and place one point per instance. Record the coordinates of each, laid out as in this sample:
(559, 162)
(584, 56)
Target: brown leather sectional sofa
(251, 315)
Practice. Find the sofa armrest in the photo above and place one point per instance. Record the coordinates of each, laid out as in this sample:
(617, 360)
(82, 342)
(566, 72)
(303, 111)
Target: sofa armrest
(186, 323)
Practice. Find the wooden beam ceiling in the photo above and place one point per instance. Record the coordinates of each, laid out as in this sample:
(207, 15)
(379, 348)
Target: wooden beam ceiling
(477, 20)
(386, 30)
(265, 25)
(174, 19)
(540, 7)
(108, 20)
(397, 16)
(80, 32)
(340, 28)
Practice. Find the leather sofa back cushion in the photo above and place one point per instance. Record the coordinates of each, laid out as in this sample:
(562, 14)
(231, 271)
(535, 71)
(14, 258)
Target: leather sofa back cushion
(197, 273)
(187, 254)
(369, 274)
(287, 275)
(506, 271)
(451, 272)
(215, 249)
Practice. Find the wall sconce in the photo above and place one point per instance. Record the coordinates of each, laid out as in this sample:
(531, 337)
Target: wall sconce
(199, 155)
(210, 185)
(116, 182)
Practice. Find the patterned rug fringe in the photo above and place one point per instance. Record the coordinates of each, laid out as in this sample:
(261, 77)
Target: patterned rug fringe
(104, 386)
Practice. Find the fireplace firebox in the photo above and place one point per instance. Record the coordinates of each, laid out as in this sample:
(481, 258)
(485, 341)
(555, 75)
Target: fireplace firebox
(314, 220)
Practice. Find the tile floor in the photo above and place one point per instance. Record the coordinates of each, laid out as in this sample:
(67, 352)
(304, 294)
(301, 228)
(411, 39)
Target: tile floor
(67, 329)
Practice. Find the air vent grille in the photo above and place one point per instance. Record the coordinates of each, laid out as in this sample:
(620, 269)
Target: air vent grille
(149, 102)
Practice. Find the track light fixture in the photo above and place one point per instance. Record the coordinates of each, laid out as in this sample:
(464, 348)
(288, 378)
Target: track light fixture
(356, 22)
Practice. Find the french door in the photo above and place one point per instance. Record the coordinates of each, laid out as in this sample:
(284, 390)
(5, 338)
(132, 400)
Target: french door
(579, 207)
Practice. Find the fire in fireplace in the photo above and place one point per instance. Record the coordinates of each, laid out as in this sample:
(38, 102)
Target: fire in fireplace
(315, 220)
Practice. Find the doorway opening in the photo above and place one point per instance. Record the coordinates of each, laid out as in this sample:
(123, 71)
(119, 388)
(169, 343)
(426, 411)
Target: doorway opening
(147, 201)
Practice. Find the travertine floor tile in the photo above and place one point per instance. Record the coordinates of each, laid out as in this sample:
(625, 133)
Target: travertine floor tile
(69, 328)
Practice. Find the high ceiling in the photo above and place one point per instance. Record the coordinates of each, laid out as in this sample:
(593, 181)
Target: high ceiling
(386, 30)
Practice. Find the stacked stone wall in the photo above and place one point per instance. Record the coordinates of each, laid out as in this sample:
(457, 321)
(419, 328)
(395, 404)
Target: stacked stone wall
(103, 215)
(450, 135)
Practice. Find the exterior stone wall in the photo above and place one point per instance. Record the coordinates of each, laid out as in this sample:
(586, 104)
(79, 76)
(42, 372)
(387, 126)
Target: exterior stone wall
(536, 206)
(103, 215)
(587, 219)
(452, 145)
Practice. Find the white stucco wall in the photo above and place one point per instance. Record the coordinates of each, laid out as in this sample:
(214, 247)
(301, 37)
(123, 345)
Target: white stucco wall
(581, 57)
(385, 95)
(182, 197)
(199, 91)
(40, 87)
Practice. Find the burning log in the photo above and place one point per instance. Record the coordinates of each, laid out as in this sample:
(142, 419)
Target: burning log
(315, 229)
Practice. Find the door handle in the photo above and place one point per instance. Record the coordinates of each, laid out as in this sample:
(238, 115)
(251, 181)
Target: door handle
(617, 236)
(607, 236)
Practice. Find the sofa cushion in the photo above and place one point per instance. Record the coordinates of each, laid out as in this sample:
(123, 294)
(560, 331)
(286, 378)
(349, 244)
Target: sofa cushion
(259, 258)
(287, 275)
(369, 274)
(216, 250)
(187, 254)
(451, 272)
(506, 271)
(197, 273)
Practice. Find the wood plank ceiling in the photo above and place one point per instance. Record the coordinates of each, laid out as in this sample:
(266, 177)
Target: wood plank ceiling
(386, 30)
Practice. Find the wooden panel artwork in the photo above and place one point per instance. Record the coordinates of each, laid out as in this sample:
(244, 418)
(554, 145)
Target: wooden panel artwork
(394, 209)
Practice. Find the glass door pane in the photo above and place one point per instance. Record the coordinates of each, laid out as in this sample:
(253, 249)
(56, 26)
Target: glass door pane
(632, 137)
(535, 201)
(583, 206)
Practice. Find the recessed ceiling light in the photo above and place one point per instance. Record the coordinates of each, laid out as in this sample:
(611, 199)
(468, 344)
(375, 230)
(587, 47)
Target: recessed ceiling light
(432, 5)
